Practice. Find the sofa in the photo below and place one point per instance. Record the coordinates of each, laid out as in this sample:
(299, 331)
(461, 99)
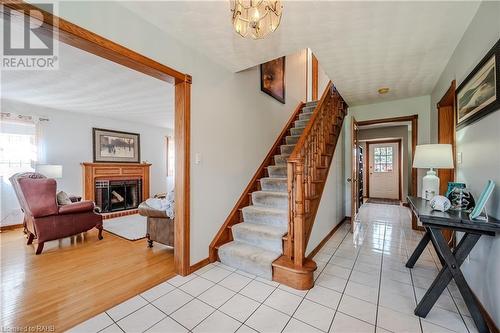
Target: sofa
(44, 219)
(160, 228)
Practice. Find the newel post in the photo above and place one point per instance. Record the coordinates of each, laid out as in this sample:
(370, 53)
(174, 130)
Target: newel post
(299, 216)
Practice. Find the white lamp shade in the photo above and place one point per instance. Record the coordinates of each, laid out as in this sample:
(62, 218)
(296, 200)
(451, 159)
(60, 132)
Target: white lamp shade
(49, 170)
(439, 156)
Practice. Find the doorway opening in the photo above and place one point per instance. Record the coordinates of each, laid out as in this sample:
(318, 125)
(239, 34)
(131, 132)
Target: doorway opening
(403, 128)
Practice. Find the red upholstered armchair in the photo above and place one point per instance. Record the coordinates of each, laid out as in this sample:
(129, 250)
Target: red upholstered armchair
(44, 220)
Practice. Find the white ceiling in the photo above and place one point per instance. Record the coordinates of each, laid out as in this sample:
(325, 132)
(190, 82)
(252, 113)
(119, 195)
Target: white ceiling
(86, 83)
(361, 45)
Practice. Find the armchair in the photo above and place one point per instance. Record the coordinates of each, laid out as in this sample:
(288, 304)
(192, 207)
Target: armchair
(44, 220)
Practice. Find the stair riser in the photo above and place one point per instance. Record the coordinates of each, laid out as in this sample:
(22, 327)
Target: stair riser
(277, 171)
(305, 116)
(301, 123)
(297, 131)
(264, 199)
(308, 109)
(275, 185)
(292, 139)
(246, 263)
(280, 159)
(267, 242)
(287, 149)
(273, 219)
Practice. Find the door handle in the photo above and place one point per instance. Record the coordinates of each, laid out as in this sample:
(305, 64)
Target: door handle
(349, 180)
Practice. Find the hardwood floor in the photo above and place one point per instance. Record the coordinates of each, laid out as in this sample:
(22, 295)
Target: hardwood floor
(75, 278)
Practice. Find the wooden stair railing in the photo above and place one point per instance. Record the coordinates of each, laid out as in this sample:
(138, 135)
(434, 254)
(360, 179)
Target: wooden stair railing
(224, 234)
(308, 168)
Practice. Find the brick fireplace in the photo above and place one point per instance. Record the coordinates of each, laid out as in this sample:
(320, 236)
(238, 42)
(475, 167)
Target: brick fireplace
(117, 188)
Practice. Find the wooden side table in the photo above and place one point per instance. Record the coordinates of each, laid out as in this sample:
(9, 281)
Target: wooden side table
(434, 222)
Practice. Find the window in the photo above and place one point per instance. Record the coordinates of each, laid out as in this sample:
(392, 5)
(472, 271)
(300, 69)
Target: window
(18, 148)
(383, 159)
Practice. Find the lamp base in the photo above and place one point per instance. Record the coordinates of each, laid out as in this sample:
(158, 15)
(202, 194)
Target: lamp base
(430, 185)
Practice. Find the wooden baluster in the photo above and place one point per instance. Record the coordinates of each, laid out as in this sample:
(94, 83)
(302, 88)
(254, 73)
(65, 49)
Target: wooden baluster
(299, 235)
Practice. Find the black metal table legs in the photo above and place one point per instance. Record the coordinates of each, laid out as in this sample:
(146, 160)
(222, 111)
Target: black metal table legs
(450, 270)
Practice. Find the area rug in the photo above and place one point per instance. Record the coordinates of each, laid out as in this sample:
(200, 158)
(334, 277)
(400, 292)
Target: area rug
(131, 227)
(383, 201)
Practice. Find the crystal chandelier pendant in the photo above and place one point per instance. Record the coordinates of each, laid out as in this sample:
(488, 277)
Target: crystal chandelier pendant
(256, 18)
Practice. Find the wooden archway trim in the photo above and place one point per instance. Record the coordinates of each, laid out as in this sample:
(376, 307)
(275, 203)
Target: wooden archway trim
(414, 138)
(86, 40)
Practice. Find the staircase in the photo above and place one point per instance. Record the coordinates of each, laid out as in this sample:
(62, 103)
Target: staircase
(258, 241)
(262, 235)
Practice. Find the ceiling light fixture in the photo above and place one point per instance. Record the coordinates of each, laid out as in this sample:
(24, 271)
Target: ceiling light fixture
(256, 18)
(383, 91)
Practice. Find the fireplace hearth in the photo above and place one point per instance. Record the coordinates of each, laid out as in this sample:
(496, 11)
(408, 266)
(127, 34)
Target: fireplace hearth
(117, 195)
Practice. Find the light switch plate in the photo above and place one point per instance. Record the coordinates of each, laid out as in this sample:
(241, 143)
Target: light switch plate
(459, 158)
(197, 158)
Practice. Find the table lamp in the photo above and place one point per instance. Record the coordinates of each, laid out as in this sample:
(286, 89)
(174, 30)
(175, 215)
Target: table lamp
(439, 156)
(49, 170)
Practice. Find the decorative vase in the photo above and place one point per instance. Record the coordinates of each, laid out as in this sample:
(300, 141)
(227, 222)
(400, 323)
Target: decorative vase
(461, 199)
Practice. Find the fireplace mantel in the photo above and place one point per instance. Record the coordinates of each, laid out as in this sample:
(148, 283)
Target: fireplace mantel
(114, 171)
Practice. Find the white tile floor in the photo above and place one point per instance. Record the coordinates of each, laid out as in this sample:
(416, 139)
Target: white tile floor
(362, 285)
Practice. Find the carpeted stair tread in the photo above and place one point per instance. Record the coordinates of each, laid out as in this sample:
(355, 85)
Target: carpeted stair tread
(287, 149)
(260, 235)
(305, 116)
(277, 171)
(311, 103)
(281, 159)
(270, 199)
(265, 215)
(275, 184)
(300, 123)
(292, 139)
(297, 130)
(248, 258)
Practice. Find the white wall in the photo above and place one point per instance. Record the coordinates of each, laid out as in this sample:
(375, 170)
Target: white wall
(67, 140)
(402, 107)
(233, 124)
(331, 209)
(479, 145)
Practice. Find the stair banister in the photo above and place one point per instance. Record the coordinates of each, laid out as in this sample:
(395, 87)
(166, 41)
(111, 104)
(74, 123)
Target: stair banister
(303, 165)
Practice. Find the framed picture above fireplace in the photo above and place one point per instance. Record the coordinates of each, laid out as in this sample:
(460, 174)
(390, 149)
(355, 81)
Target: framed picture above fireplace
(112, 146)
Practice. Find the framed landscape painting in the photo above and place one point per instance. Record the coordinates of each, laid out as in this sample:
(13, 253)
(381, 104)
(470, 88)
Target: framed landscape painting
(116, 146)
(479, 93)
(272, 78)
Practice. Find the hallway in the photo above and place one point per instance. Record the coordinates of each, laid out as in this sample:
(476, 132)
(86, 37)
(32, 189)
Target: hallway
(362, 285)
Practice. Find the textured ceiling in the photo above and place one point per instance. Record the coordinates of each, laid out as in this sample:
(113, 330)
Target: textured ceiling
(361, 45)
(88, 84)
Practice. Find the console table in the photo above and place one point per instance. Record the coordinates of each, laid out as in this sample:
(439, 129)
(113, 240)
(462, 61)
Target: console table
(433, 222)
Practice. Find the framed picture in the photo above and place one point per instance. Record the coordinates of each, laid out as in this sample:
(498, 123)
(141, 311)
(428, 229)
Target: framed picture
(272, 78)
(115, 146)
(479, 93)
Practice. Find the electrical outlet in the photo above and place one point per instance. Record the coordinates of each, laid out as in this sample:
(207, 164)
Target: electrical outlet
(468, 259)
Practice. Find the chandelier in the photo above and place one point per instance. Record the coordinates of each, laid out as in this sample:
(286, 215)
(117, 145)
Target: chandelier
(256, 18)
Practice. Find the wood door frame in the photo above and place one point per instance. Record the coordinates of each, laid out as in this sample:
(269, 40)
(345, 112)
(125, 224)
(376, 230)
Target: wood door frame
(314, 70)
(449, 99)
(414, 138)
(86, 40)
(367, 171)
(354, 171)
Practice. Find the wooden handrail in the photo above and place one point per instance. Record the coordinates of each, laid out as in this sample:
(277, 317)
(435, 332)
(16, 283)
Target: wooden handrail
(224, 234)
(308, 167)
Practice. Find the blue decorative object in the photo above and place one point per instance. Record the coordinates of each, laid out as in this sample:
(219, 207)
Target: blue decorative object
(482, 201)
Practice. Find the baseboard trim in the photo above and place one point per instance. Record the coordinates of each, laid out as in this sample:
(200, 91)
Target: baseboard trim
(200, 264)
(486, 315)
(327, 237)
(10, 227)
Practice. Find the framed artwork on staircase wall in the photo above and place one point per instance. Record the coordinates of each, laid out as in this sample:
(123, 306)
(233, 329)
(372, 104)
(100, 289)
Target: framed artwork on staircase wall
(272, 78)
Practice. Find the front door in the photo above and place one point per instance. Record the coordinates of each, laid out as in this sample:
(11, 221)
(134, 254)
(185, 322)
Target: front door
(384, 170)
